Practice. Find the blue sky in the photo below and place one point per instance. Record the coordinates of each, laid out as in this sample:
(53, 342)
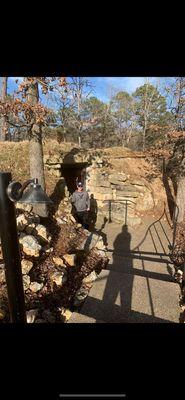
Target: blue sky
(104, 86)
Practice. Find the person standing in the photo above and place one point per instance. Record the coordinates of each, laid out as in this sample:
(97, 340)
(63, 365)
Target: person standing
(81, 204)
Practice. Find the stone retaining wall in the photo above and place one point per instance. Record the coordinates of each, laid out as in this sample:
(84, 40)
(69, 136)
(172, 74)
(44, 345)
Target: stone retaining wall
(106, 184)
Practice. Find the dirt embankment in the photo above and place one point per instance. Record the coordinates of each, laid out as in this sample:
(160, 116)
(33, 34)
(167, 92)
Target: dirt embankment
(14, 157)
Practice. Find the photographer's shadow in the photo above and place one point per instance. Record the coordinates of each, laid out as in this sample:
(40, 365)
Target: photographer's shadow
(115, 304)
(117, 295)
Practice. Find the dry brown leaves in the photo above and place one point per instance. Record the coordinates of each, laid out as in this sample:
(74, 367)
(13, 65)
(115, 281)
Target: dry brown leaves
(23, 109)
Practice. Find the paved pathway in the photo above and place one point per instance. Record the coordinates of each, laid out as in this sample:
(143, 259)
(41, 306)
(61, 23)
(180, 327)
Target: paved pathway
(137, 285)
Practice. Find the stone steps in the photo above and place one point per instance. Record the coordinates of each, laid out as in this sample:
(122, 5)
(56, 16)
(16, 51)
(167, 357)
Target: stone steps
(121, 297)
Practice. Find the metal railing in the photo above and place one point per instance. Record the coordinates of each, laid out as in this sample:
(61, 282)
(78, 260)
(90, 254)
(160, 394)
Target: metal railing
(173, 224)
(118, 201)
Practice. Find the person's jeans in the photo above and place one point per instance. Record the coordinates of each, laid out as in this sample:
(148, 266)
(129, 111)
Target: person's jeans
(82, 218)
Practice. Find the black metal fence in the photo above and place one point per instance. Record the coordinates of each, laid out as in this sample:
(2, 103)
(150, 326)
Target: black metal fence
(126, 202)
(172, 224)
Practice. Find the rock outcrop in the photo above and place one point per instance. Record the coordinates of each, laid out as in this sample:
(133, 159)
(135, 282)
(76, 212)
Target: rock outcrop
(30, 245)
(125, 191)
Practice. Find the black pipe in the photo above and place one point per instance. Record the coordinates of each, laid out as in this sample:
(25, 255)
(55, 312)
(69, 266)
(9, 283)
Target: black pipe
(11, 252)
(110, 220)
(126, 213)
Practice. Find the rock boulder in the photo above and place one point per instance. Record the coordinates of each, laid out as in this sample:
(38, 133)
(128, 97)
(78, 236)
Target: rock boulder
(35, 286)
(30, 245)
(41, 232)
(70, 259)
(59, 277)
(117, 178)
(31, 315)
(26, 266)
(2, 274)
(90, 278)
(26, 281)
(21, 222)
(58, 261)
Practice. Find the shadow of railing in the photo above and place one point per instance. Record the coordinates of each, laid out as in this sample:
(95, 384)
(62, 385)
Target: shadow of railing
(118, 290)
(115, 313)
(150, 256)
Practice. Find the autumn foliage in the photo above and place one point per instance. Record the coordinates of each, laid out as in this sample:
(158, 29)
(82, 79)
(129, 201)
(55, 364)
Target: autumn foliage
(22, 108)
(164, 148)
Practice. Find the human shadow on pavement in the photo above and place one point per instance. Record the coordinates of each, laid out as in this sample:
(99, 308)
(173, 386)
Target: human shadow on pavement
(117, 293)
(118, 290)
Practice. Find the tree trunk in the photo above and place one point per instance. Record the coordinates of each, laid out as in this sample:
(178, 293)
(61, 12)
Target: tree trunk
(144, 135)
(146, 109)
(180, 200)
(79, 119)
(79, 141)
(36, 150)
(36, 156)
(3, 122)
(129, 136)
